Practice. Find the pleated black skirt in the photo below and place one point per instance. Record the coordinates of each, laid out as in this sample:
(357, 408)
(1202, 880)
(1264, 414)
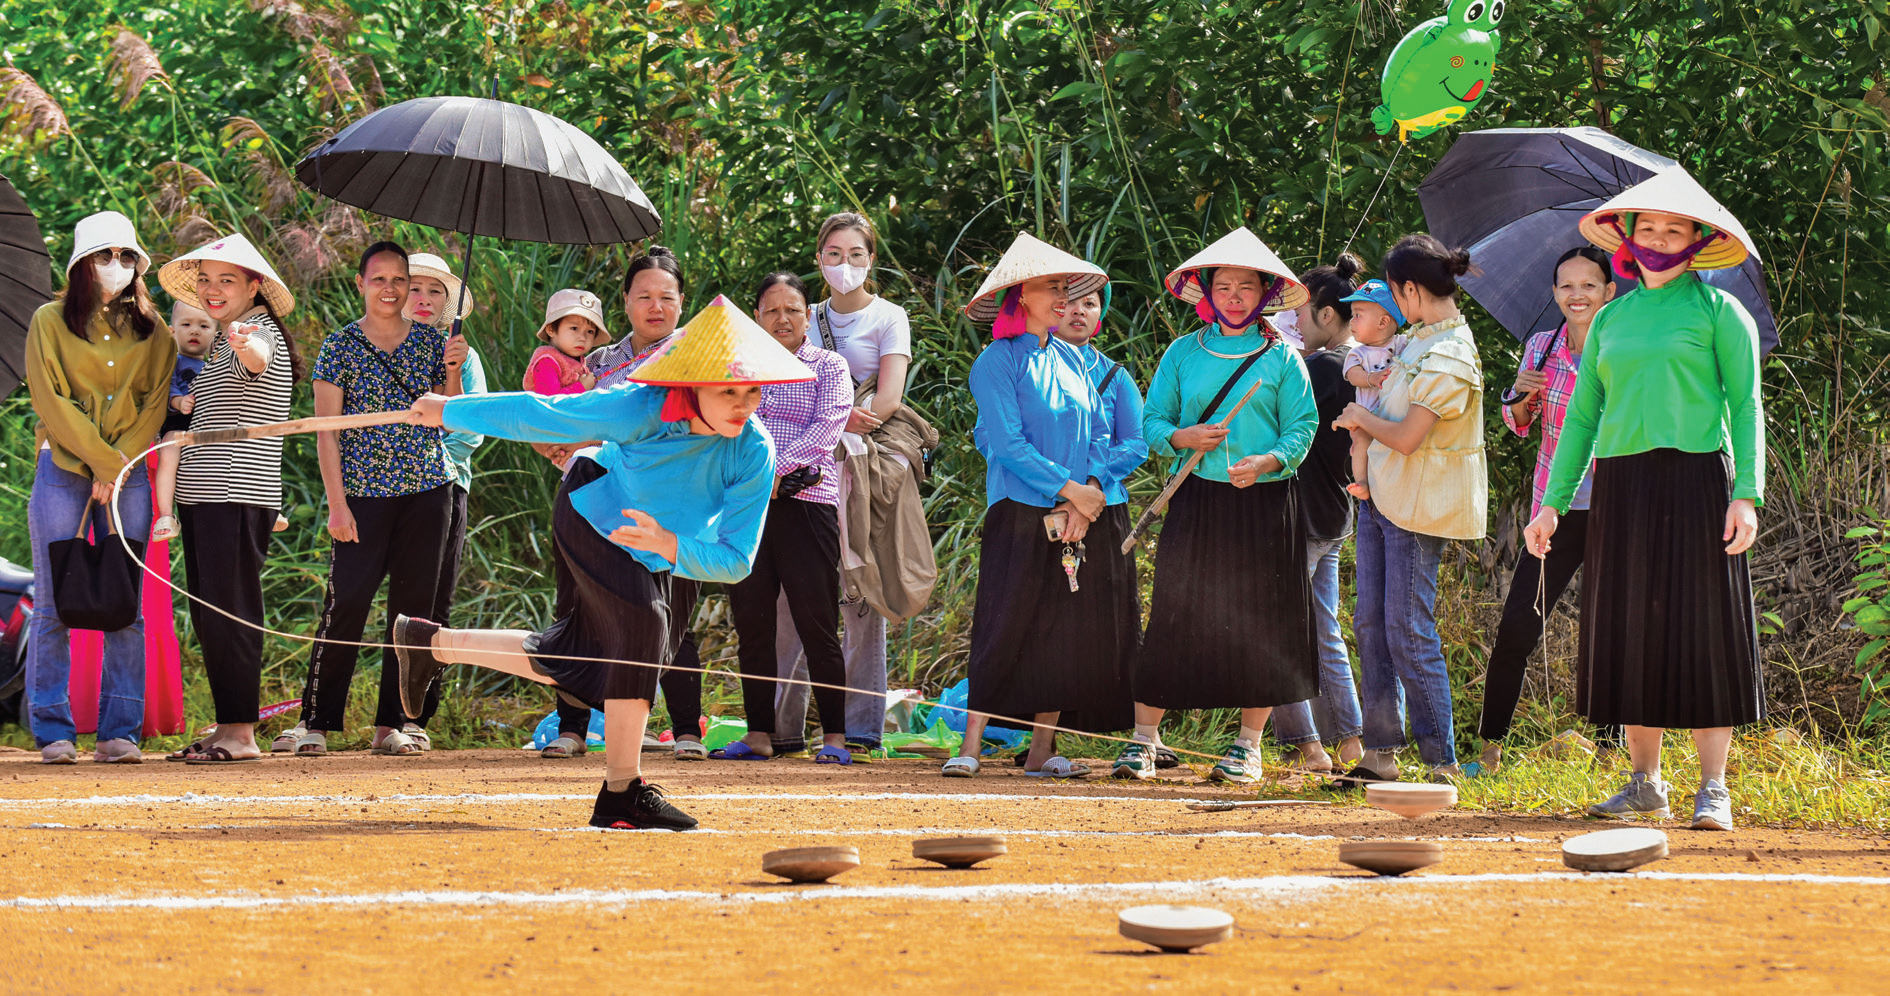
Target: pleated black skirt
(1669, 636)
(1037, 646)
(1231, 621)
(610, 607)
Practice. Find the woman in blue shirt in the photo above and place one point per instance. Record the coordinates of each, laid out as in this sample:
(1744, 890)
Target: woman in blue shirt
(1036, 647)
(679, 487)
(1231, 619)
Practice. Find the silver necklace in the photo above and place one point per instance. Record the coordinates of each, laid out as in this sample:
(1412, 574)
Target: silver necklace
(1200, 337)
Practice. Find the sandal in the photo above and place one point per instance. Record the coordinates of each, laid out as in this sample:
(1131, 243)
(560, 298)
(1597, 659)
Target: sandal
(691, 750)
(738, 751)
(286, 740)
(191, 751)
(165, 529)
(311, 744)
(960, 767)
(219, 755)
(418, 735)
(396, 744)
(1060, 767)
(563, 747)
(833, 755)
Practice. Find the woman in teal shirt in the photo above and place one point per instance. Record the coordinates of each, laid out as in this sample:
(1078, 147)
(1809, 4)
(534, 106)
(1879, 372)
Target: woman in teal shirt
(1233, 547)
(679, 488)
(1668, 403)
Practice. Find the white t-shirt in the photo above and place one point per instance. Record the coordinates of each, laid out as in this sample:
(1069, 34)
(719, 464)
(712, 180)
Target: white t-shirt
(879, 329)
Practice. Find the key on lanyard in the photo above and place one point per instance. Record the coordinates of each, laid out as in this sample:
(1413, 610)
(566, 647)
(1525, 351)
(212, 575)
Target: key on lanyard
(1072, 559)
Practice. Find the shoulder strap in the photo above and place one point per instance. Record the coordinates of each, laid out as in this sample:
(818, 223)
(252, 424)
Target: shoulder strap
(1103, 388)
(826, 330)
(387, 365)
(1221, 395)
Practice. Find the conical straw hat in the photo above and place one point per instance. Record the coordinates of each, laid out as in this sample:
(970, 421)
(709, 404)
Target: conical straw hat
(721, 345)
(1673, 191)
(1028, 258)
(179, 276)
(426, 264)
(1241, 248)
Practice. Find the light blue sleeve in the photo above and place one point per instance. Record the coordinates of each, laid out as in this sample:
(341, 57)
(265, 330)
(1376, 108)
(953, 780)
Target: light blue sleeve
(746, 488)
(1127, 450)
(994, 387)
(472, 380)
(1296, 411)
(618, 414)
(1161, 417)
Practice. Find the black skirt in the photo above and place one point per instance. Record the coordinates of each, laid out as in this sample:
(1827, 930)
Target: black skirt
(610, 607)
(1669, 636)
(1231, 624)
(1037, 646)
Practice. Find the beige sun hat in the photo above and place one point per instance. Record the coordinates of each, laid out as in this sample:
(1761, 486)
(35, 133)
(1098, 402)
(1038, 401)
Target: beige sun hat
(575, 301)
(106, 230)
(426, 264)
(1028, 258)
(1242, 248)
(721, 345)
(1672, 191)
(179, 276)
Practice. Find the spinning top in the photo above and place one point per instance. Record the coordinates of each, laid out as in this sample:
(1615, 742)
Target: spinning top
(1391, 857)
(1614, 850)
(1410, 799)
(810, 864)
(959, 852)
(1175, 928)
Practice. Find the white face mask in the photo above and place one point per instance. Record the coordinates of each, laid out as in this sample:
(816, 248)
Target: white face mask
(113, 278)
(844, 278)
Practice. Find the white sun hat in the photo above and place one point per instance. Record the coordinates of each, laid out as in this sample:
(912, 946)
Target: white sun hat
(179, 276)
(575, 301)
(1028, 258)
(106, 230)
(1242, 248)
(1672, 191)
(426, 264)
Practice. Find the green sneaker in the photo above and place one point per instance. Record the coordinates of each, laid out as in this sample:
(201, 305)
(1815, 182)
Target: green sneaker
(1137, 760)
(1240, 765)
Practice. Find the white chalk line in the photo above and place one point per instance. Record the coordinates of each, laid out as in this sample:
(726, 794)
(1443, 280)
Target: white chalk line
(500, 798)
(1269, 887)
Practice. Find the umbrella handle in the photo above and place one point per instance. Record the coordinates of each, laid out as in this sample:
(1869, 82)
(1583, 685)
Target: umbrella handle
(1510, 396)
(465, 266)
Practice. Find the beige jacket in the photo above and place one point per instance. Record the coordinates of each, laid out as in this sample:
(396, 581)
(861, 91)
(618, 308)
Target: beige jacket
(1443, 487)
(886, 547)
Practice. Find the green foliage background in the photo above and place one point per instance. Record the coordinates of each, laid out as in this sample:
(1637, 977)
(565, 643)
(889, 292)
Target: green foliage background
(1131, 132)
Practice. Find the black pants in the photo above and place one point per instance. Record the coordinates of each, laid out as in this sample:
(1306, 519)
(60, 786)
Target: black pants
(799, 555)
(1537, 580)
(400, 540)
(225, 544)
(682, 689)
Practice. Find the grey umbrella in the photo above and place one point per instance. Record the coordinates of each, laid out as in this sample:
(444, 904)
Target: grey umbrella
(25, 282)
(482, 167)
(1513, 196)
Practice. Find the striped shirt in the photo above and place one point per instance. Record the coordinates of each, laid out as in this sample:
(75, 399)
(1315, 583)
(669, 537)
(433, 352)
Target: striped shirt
(805, 418)
(228, 395)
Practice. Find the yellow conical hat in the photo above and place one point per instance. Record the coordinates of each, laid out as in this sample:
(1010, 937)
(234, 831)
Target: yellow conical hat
(179, 276)
(1027, 258)
(1673, 191)
(721, 345)
(1242, 248)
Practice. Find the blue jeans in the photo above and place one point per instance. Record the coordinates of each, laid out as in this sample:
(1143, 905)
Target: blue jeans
(52, 514)
(1400, 655)
(1336, 709)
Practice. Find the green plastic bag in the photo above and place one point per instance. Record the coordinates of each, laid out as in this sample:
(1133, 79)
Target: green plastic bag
(724, 730)
(936, 741)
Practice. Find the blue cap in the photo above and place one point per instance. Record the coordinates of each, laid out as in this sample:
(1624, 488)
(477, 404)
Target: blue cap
(1379, 293)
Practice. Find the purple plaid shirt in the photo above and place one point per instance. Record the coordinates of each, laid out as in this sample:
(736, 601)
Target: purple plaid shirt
(1549, 409)
(805, 419)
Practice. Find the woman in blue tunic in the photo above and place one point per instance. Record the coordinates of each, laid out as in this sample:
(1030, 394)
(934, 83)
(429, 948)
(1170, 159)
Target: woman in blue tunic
(679, 488)
(1039, 641)
(1230, 620)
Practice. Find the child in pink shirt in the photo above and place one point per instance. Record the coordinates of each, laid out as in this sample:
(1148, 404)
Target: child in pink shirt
(574, 325)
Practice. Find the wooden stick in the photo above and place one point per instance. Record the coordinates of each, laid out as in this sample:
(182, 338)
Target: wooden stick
(330, 423)
(1168, 490)
(1228, 807)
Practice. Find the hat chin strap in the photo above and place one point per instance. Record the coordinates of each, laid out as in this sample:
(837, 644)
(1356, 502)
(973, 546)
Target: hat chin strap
(1214, 310)
(1632, 258)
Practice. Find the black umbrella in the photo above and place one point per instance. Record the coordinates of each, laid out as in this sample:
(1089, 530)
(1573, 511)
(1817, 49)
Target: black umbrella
(482, 167)
(1513, 197)
(25, 282)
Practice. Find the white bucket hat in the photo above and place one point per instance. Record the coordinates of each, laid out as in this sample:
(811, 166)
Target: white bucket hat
(106, 230)
(179, 276)
(1242, 248)
(426, 264)
(1028, 258)
(580, 302)
(1672, 191)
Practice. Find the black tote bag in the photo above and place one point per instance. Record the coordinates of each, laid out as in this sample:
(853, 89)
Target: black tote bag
(96, 586)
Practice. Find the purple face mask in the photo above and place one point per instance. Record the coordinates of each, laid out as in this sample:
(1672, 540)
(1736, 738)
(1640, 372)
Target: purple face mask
(1208, 311)
(1632, 258)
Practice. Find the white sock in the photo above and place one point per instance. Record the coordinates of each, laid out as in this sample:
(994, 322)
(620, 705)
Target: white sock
(1150, 734)
(1248, 736)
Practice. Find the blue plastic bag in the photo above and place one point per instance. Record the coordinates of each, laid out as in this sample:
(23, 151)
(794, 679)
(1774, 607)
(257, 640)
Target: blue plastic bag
(951, 709)
(547, 731)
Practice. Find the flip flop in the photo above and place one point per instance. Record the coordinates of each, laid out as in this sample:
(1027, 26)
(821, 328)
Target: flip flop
(737, 751)
(187, 753)
(1060, 767)
(220, 755)
(960, 767)
(833, 755)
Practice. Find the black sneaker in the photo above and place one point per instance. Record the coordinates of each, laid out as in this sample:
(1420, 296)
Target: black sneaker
(413, 647)
(1166, 758)
(639, 807)
(1358, 778)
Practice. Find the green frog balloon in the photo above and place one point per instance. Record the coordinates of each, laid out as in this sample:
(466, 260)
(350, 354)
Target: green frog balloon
(1439, 70)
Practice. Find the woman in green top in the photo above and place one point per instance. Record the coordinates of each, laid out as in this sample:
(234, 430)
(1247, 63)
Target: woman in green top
(98, 367)
(1668, 388)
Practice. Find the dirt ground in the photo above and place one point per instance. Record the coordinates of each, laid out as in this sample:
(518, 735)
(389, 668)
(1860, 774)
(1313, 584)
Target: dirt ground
(474, 871)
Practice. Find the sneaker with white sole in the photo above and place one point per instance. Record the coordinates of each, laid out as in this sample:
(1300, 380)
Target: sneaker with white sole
(59, 752)
(1240, 765)
(1712, 806)
(117, 752)
(1643, 796)
(1137, 760)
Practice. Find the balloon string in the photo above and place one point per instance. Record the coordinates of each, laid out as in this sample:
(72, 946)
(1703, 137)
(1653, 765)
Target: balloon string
(119, 526)
(1374, 201)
